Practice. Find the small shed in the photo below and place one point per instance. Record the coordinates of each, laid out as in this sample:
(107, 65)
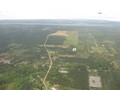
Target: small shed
(74, 49)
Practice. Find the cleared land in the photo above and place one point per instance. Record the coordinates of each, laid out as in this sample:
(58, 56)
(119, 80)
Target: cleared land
(72, 38)
(95, 81)
(60, 33)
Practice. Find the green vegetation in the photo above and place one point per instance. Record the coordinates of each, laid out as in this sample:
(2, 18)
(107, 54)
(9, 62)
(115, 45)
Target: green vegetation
(24, 60)
(56, 40)
(72, 38)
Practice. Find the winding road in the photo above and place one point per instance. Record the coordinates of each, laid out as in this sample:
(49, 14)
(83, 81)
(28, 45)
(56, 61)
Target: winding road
(50, 59)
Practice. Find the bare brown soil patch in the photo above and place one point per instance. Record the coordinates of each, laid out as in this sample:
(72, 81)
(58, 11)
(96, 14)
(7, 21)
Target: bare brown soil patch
(60, 33)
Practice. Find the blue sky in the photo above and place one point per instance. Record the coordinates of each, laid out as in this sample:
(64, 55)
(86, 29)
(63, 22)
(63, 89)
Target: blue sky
(60, 9)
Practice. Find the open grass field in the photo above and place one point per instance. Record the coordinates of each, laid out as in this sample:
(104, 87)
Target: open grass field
(71, 38)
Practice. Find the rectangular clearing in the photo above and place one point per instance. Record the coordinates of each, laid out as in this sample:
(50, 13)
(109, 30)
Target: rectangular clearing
(95, 81)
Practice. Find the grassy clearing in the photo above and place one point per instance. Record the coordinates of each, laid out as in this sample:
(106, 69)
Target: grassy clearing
(72, 38)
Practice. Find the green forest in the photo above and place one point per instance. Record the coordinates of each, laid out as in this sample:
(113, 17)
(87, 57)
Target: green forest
(24, 60)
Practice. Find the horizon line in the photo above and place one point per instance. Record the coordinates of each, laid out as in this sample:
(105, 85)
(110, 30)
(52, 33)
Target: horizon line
(60, 19)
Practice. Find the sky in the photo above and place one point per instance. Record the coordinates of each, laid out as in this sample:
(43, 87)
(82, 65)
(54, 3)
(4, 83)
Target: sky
(60, 9)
